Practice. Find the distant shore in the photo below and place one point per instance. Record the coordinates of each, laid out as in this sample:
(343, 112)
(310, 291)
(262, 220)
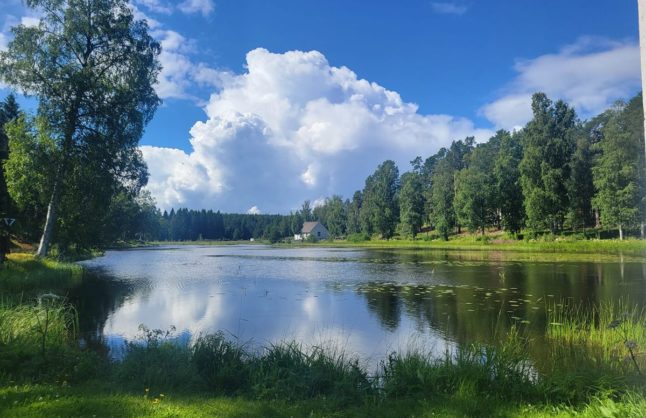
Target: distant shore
(628, 247)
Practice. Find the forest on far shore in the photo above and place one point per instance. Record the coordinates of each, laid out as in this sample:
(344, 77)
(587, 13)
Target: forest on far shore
(556, 174)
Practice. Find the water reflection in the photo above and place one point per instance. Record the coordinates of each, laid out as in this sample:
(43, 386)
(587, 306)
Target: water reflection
(369, 301)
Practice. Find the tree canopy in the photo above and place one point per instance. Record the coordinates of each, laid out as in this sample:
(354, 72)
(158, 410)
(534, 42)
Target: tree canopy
(92, 67)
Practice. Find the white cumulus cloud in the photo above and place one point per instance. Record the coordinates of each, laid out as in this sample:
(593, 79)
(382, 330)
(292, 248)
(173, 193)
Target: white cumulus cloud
(590, 74)
(449, 8)
(293, 127)
(197, 6)
(181, 75)
(167, 7)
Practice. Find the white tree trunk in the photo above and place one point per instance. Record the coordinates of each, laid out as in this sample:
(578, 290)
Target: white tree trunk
(621, 233)
(50, 222)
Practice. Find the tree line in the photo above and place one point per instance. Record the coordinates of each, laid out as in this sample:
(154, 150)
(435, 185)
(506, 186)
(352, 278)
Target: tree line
(557, 173)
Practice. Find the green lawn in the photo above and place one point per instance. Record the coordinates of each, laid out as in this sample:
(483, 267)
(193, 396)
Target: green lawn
(95, 400)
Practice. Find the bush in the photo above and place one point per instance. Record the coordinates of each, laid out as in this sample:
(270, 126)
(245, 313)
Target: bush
(358, 237)
(221, 364)
(287, 372)
(157, 363)
(481, 371)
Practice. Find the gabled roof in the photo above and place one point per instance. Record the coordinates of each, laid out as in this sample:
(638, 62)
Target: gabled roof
(308, 226)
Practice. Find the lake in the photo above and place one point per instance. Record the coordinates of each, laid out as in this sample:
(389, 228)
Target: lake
(368, 302)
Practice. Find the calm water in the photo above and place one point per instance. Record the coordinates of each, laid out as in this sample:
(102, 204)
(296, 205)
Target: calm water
(369, 302)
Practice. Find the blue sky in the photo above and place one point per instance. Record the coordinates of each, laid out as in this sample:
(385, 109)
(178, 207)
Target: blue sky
(263, 130)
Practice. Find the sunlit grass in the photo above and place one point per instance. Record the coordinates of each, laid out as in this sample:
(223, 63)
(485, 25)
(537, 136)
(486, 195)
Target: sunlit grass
(23, 273)
(632, 247)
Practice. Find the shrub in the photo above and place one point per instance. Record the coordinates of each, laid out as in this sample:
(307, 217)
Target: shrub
(221, 364)
(287, 372)
(358, 237)
(157, 363)
(482, 371)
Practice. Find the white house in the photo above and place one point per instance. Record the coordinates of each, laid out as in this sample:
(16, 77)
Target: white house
(315, 229)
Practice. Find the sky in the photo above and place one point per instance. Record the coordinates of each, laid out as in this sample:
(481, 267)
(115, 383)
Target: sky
(269, 103)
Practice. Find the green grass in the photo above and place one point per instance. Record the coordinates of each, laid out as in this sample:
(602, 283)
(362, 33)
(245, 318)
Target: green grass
(610, 246)
(101, 400)
(23, 274)
(558, 245)
(214, 376)
(608, 341)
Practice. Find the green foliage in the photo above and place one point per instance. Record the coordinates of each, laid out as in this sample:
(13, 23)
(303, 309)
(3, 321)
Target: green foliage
(619, 170)
(441, 200)
(92, 68)
(580, 185)
(333, 214)
(158, 363)
(380, 210)
(354, 213)
(222, 364)
(28, 172)
(411, 204)
(508, 185)
(473, 199)
(358, 237)
(548, 144)
(9, 112)
(287, 371)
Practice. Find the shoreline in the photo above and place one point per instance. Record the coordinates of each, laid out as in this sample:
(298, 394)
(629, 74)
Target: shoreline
(632, 248)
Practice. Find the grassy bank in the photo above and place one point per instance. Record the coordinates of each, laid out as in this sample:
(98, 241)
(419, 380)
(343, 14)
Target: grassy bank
(23, 274)
(44, 373)
(610, 246)
(558, 245)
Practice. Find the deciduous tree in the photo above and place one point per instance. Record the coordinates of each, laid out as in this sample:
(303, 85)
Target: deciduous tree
(92, 67)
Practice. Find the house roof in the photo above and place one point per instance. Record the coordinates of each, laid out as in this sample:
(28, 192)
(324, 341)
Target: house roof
(308, 226)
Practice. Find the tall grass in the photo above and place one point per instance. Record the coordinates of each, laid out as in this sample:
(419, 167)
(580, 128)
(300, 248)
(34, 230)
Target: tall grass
(613, 332)
(594, 349)
(157, 362)
(222, 364)
(475, 371)
(288, 371)
(39, 341)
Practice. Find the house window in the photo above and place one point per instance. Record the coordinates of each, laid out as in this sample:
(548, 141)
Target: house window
(318, 233)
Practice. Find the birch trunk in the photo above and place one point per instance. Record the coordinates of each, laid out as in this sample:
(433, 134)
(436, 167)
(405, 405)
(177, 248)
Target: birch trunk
(50, 222)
